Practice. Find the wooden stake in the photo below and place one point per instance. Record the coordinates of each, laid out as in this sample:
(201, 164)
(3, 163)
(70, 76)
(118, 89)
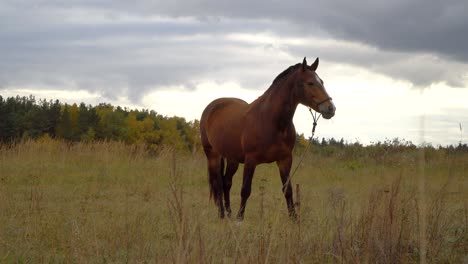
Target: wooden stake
(298, 196)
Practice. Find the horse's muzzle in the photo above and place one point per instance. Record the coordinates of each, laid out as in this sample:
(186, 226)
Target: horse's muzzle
(327, 109)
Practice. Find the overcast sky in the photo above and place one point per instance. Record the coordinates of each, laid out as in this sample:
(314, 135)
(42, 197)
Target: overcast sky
(394, 68)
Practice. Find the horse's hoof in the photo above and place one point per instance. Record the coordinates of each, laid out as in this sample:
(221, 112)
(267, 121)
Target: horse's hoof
(240, 218)
(221, 215)
(293, 216)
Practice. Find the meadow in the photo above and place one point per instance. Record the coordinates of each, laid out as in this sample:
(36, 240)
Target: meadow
(111, 202)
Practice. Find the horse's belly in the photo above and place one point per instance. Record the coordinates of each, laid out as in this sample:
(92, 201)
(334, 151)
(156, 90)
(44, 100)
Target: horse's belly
(274, 153)
(270, 148)
(228, 145)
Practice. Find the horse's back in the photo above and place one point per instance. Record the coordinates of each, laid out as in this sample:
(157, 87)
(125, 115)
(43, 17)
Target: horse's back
(221, 126)
(221, 104)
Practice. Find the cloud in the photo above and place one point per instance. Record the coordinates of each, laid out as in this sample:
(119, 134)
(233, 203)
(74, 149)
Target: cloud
(411, 26)
(133, 58)
(121, 48)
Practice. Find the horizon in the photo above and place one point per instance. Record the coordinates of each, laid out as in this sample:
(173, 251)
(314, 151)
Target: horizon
(396, 140)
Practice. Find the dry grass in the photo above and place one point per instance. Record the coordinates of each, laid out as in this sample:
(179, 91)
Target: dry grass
(110, 202)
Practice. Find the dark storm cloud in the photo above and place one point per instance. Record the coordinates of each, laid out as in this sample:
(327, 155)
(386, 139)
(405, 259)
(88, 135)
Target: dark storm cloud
(122, 58)
(127, 47)
(405, 25)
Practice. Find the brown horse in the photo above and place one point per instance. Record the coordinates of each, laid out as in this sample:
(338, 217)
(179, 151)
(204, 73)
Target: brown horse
(260, 132)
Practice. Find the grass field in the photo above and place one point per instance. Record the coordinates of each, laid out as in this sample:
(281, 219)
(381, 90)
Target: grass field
(115, 203)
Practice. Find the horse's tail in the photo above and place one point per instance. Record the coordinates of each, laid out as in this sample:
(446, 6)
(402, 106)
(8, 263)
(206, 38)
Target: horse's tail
(216, 182)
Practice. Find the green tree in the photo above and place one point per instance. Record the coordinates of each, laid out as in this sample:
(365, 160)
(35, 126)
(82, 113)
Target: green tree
(112, 123)
(53, 117)
(64, 128)
(88, 120)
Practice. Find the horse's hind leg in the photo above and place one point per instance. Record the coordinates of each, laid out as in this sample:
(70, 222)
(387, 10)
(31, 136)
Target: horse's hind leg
(215, 171)
(231, 169)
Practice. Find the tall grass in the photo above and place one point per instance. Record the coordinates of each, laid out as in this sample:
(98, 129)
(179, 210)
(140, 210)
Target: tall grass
(112, 202)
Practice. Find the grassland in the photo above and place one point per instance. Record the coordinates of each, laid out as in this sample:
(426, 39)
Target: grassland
(113, 203)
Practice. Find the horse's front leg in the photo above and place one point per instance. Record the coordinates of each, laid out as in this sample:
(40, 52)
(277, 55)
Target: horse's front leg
(284, 169)
(249, 169)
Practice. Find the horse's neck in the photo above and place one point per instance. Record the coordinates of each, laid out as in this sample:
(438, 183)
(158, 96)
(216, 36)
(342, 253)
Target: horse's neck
(281, 104)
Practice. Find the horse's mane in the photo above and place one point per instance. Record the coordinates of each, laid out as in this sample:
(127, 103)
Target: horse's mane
(280, 78)
(285, 73)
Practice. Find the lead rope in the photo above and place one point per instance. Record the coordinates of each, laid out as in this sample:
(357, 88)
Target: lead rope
(316, 116)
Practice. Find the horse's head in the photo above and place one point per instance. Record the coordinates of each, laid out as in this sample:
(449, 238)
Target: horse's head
(312, 92)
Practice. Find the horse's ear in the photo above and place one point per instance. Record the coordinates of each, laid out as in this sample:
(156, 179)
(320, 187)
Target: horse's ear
(304, 64)
(314, 65)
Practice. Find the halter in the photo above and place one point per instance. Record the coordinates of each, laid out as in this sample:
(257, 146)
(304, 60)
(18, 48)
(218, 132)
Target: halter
(321, 102)
(316, 116)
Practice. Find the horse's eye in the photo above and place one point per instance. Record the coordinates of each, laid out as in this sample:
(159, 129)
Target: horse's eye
(310, 83)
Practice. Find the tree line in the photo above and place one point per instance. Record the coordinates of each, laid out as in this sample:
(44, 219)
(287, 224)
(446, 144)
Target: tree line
(25, 117)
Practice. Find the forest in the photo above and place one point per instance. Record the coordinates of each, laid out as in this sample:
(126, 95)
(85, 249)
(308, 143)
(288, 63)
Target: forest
(27, 118)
